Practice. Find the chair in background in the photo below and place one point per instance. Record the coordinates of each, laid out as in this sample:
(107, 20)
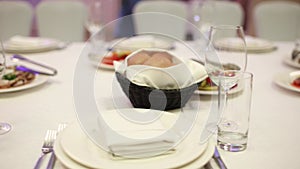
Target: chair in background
(63, 20)
(222, 13)
(277, 20)
(15, 19)
(163, 17)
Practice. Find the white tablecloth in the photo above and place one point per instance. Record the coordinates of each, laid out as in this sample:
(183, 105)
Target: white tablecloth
(274, 129)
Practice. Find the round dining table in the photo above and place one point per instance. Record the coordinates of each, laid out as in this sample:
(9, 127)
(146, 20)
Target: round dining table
(273, 140)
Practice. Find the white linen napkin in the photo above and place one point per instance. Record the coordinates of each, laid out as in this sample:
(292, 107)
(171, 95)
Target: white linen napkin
(130, 139)
(185, 73)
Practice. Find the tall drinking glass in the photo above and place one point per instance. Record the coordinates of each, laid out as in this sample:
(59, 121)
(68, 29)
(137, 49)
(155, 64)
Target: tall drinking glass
(4, 127)
(223, 64)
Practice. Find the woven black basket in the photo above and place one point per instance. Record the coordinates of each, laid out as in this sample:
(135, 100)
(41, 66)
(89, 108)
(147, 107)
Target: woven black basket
(159, 99)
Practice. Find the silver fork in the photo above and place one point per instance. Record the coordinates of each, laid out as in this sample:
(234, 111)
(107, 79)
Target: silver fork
(51, 162)
(47, 146)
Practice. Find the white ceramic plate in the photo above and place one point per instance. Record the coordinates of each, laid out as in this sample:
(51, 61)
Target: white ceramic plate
(215, 92)
(80, 149)
(288, 60)
(67, 161)
(138, 42)
(254, 45)
(94, 59)
(283, 80)
(25, 44)
(39, 79)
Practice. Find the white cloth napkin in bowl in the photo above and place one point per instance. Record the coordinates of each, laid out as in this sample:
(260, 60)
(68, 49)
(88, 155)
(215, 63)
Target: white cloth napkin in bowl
(185, 73)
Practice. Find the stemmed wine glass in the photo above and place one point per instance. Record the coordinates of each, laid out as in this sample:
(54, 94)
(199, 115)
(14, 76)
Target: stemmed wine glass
(223, 63)
(4, 127)
(95, 19)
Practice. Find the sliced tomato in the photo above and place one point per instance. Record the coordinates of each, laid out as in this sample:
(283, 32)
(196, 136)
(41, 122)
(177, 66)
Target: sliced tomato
(296, 83)
(108, 61)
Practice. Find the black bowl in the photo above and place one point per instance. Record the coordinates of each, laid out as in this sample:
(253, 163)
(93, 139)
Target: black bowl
(152, 98)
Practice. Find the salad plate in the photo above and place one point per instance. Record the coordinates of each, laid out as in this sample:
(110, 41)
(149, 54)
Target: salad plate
(285, 80)
(39, 80)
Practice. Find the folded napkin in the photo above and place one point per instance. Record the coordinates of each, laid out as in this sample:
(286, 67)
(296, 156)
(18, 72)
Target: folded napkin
(141, 148)
(185, 73)
(130, 139)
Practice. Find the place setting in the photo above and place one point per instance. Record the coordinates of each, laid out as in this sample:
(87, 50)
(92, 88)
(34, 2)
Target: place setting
(21, 73)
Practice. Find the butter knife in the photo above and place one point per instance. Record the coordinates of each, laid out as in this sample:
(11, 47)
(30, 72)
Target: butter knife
(218, 159)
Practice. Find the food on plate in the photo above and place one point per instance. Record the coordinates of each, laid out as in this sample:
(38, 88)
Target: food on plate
(138, 59)
(151, 58)
(15, 78)
(296, 82)
(207, 84)
(115, 56)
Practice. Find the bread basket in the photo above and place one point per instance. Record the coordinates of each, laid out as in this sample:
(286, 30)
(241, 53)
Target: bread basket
(159, 99)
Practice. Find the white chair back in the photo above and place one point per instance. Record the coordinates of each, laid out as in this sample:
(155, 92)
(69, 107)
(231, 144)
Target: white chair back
(15, 19)
(277, 20)
(63, 20)
(164, 17)
(222, 12)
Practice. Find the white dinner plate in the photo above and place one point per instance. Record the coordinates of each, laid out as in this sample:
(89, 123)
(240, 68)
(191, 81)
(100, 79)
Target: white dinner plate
(215, 92)
(83, 142)
(138, 42)
(288, 60)
(283, 80)
(80, 149)
(254, 45)
(20, 44)
(39, 80)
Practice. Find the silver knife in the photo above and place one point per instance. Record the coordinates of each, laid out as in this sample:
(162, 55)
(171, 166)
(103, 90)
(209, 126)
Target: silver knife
(218, 159)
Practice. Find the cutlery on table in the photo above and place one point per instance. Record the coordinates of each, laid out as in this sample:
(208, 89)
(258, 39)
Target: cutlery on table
(26, 69)
(47, 146)
(52, 160)
(218, 159)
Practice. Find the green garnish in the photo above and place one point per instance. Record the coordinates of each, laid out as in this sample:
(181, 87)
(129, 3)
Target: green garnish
(9, 76)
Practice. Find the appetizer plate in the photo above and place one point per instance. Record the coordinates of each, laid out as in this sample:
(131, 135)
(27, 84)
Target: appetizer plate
(74, 138)
(138, 42)
(95, 60)
(39, 80)
(215, 92)
(287, 60)
(283, 80)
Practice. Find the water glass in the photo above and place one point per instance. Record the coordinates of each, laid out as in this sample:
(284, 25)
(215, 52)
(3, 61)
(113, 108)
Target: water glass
(234, 123)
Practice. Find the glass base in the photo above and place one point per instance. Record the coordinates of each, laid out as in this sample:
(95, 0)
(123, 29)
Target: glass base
(232, 147)
(232, 141)
(4, 128)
